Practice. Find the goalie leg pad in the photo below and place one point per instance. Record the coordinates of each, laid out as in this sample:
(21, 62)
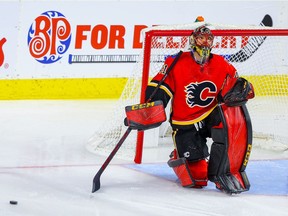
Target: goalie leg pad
(219, 172)
(180, 167)
(198, 170)
(216, 155)
(230, 152)
(190, 174)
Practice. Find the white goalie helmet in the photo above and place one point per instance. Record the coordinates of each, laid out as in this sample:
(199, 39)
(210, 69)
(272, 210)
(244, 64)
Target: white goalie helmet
(201, 42)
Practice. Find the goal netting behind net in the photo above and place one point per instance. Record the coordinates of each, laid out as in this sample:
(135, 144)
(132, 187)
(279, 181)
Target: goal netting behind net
(258, 53)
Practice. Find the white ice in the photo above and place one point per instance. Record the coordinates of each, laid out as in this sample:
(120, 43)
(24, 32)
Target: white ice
(45, 166)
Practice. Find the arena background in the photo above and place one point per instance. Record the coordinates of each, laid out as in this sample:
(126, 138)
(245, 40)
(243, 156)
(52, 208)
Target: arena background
(98, 28)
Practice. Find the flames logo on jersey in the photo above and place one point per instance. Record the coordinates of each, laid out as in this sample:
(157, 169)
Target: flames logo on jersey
(200, 94)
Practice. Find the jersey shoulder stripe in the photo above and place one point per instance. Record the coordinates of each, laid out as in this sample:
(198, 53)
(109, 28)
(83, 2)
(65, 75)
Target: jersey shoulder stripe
(163, 87)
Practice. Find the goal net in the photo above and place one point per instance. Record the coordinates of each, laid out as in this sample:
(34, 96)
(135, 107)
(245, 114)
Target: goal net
(258, 53)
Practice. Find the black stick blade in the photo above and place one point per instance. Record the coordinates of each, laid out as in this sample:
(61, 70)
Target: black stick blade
(96, 180)
(267, 21)
(96, 183)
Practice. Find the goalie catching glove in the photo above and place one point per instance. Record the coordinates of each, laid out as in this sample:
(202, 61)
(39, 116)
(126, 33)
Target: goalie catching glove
(238, 95)
(145, 116)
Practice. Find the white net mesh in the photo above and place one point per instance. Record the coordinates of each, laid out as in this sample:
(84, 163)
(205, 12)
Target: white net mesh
(262, 60)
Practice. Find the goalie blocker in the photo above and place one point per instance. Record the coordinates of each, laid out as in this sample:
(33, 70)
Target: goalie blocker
(145, 116)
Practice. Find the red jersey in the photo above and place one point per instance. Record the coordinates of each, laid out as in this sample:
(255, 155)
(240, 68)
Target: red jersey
(192, 87)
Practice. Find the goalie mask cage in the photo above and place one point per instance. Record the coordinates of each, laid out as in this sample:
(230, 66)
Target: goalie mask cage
(258, 53)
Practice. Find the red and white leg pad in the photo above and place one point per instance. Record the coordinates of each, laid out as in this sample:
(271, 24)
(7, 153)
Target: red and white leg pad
(190, 174)
(199, 170)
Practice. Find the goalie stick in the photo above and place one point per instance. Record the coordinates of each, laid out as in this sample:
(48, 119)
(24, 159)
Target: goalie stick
(96, 180)
(253, 44)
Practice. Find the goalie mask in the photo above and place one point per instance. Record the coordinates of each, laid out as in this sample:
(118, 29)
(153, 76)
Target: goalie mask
(201, 41)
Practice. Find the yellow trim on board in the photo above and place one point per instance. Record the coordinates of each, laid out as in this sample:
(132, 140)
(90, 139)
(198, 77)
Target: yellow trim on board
(109, 88)
(66, 88)
(269, 85)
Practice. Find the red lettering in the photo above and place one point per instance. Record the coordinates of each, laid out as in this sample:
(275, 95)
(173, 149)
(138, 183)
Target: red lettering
(244, 41)
(60, 30)
(117, 33)
(47, 32)
(156, 43)
(137, 44)
(230, 42)
(184, 41)
(99, 37)
(40, 44)
(80, 37)
(230, 39)
(2, 41)
(216, 43)
(170, 43)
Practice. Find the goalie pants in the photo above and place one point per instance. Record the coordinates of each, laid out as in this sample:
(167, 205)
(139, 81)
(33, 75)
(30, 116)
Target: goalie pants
(191, 141)
(191, 151)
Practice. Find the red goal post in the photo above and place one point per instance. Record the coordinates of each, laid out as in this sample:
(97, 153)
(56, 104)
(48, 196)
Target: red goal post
(229, 34)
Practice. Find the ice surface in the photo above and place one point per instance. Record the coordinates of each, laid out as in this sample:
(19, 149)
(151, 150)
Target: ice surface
(45, 166)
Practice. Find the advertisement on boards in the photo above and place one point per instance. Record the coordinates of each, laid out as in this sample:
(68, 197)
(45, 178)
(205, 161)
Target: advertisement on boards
(8, 37)
(103, 39)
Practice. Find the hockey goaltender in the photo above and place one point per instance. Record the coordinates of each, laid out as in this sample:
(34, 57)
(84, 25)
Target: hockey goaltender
(207, 100)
